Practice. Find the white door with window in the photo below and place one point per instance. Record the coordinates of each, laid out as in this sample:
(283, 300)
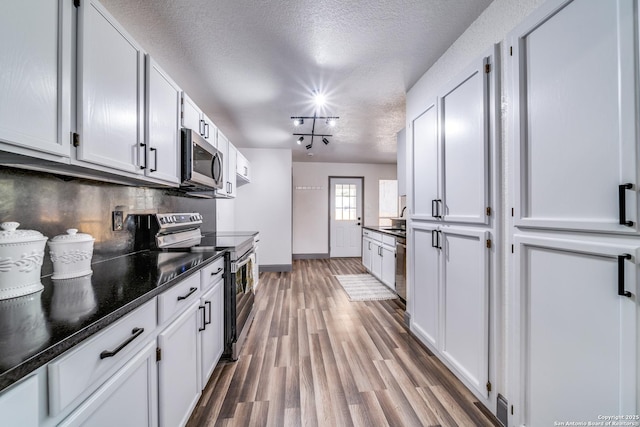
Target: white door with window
(345, 213)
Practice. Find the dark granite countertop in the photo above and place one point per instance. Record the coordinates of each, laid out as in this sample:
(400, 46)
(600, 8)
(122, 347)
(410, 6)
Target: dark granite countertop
(395, 232)
(36, 328)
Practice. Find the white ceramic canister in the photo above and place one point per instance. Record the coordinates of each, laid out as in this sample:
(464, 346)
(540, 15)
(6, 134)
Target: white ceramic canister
(21, 256)
(71, 254)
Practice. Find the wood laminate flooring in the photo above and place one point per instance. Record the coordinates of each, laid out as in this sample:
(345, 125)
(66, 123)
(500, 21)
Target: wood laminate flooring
(314, 358)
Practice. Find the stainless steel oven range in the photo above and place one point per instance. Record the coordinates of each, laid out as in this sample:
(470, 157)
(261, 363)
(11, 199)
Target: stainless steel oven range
(181, 232)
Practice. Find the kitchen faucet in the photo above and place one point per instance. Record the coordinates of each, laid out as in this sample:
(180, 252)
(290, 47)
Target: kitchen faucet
(402, 212)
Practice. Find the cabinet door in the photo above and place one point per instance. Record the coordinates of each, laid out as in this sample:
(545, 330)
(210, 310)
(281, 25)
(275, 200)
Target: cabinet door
(191, 115)
(376, 260)
(110, 92)
(231, 174)
(19, 404)
(209, 131)
(576, 335)
(388, 275)
(223, 147)
(243, 169)
(163, 124)
(464, 120)
(425, 295)
(575, 83)
(212, 337)
(465, 305)
(129, 398)
(179, 368)
(425, 165)
(35, 47)
(366, 253)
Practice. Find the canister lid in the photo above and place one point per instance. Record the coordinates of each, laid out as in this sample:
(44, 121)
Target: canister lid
(72, 236)
(11, 234)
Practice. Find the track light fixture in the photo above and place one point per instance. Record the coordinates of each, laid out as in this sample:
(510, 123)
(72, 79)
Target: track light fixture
(298, 120)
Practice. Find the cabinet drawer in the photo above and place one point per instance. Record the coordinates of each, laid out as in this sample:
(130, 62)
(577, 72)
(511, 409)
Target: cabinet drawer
(212, 273)
(178, 298)
(388, 240)
(83, 367)
(372, 235)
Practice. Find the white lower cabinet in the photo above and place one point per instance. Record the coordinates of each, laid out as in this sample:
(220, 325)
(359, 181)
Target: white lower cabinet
(179, 367)
(128, 398)
(19, 404)
(367, 253)
(379, 256)
(388, 266)
(212, 333)
(450, 272)
(574, 329)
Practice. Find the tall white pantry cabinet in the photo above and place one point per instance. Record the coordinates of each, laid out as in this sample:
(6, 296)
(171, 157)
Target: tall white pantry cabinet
(453, 234)
(573, 94)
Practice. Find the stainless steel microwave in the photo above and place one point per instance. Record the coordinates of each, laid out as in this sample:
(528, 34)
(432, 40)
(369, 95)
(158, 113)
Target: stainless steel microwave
(201, 163)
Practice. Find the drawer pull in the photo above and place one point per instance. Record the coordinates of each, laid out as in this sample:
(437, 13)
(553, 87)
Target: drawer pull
(215, 273)
(136, 333)
(191, 291)
(621, 290)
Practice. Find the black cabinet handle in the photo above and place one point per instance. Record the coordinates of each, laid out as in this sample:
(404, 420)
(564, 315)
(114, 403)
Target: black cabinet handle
(215, 273)
(142, 144)
(206, 130)
(155, 154)
(622, 203)
(204, 323)
(201, 130)
(208, 322)
(439, 239)
(434, 238)
(621, 290)
(191, 291)
(435, 208)
(136, 333)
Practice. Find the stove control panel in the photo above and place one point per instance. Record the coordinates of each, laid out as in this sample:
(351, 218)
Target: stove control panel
(170, 220)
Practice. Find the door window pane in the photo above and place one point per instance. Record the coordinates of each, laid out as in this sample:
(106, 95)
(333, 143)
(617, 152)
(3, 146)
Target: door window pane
(345, 202)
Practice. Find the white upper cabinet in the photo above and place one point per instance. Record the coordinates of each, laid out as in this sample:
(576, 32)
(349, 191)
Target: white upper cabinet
(35, 106)
(464, 127)
(110, 92)
(163, 125)
(231, 170)
(451, 149)
(575, 113)
(401, 161)
(191, 114)
(228, 151)
(193, 118)
(243, 169)
(425, 164)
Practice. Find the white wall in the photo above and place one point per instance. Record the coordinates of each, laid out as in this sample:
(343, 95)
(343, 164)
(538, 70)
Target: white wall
(265, 204)
(491, 27)
(311, 205)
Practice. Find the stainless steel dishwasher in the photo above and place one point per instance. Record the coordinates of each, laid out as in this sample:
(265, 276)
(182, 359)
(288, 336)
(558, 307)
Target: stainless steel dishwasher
(401, 268)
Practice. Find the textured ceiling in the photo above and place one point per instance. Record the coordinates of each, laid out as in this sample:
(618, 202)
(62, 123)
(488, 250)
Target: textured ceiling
(252, 64)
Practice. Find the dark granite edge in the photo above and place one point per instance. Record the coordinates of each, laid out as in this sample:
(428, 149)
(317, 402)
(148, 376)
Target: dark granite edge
(378, 229)
(45, 356)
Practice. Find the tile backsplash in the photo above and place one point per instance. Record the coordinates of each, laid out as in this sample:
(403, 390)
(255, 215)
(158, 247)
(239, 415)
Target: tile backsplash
(52, 204)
